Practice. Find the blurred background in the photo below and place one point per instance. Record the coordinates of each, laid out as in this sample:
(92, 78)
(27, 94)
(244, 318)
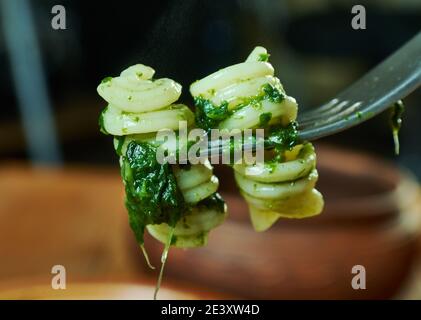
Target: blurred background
(60, 194)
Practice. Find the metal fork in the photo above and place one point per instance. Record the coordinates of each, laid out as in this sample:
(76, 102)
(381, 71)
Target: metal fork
(390, 81)
(379, 89)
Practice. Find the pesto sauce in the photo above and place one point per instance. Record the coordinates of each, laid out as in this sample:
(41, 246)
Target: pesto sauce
(120, 144)
(264, 57)
(107, 79)
(264, 119)
(266, 92)
(209, 115)
(272, 93)
(152, 194)
(282, 139)
(101, 121)
(396, 122)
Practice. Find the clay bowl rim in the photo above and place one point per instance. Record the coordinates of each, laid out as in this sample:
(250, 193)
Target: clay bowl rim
(402, 187)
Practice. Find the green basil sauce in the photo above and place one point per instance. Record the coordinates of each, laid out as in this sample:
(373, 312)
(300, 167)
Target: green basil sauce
(282, 138)
(152, 194)
(264, 57)
(272, 93)
(120, 144)
(107, 79)
(209, 115)
(101, 121)
(396, 122)
(264, 119)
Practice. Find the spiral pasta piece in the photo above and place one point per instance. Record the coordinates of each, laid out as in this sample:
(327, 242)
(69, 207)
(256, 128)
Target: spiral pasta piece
(287, 191)
(138, 107)
(198, 186)
(139, 104)
(250, 90)
(197, 183)
(248, 95)
(135, 91)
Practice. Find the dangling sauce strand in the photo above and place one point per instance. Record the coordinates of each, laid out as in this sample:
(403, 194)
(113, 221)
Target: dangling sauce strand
(164, 257)
(396, 122)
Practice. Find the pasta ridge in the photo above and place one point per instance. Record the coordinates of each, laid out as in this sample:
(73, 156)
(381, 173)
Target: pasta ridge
(139, 104)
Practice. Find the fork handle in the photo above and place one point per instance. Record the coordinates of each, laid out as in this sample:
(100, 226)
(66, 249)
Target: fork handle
(390, 81)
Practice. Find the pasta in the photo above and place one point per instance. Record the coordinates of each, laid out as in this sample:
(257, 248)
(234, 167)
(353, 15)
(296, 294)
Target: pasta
(138, 104)
(205, 208)
(247, 95)
(197, 183)
(177, 204)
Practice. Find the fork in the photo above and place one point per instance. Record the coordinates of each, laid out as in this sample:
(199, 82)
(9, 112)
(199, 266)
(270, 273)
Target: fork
(390, 81)
(393, 79)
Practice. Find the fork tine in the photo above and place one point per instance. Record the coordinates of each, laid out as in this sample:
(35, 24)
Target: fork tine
(323, 108)
(334, 115)
(349, 117)
(337, 108)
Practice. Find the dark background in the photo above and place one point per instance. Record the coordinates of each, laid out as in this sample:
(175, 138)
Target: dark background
(313, 47)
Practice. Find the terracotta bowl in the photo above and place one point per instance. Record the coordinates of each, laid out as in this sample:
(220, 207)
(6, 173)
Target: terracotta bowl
(371, 218)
